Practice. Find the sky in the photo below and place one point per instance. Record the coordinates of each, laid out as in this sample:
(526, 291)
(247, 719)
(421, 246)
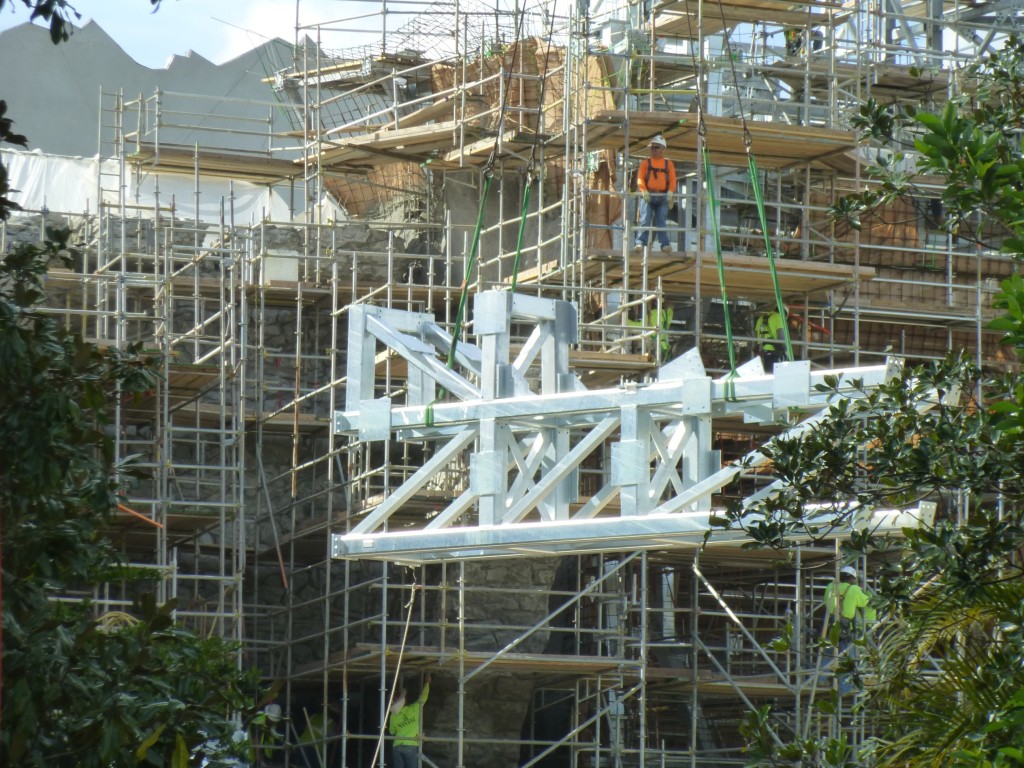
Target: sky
(218, 30)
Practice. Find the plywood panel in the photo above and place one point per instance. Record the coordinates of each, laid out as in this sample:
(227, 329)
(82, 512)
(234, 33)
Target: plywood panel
(679, 273)
(774, 145)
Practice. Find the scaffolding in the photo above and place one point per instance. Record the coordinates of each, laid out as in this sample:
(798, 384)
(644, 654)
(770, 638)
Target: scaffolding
(511, 134)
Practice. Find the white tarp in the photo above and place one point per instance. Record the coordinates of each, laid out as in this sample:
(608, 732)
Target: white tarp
(71, 185)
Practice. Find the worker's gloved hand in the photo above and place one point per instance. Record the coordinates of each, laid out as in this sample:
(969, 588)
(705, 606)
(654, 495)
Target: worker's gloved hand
(670, 198)
(647, 196)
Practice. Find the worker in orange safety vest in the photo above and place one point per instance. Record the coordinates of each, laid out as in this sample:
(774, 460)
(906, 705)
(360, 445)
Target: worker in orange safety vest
(656, 183)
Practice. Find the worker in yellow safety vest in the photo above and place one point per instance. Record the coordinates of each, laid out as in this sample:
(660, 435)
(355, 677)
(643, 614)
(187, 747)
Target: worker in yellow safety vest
(848, 605)
(405, 723)
(847, 602)
(769, 329)
(661, 321)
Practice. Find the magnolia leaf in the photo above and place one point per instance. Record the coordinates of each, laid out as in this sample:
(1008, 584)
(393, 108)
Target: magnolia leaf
(140, 753)
(180, 757)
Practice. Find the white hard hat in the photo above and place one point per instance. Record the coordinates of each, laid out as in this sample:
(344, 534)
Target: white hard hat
(658, 141)
(849, 569)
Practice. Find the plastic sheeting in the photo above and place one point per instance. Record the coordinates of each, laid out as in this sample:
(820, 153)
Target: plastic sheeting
(72, 184)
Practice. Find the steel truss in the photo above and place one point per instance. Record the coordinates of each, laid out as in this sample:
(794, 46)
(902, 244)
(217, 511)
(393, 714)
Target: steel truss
(529, 439)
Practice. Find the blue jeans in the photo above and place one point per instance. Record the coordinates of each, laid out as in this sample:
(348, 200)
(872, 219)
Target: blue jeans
(843, 650)
(654, 213)
(406, 756)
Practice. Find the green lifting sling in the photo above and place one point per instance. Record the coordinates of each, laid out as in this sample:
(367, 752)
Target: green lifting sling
(709, 189)
(759, 199)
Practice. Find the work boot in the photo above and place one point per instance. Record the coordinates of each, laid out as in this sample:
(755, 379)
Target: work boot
(638, 248)
(666, 248)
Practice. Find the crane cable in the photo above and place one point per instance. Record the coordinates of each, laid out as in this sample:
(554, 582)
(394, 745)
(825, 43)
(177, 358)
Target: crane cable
(748, 142)
(475, 247)
(709, 189)
(531, 163)
(488, 178)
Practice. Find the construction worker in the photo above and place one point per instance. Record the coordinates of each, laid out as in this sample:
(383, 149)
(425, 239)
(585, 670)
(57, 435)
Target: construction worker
(656, 183)
(405, 723)
(848, 605)
(846, 600)
(794, 40)
(661, 321)
(769, 329)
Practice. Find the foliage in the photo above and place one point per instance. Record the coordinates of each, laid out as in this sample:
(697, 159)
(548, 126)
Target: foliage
(765, 749)
(965, 709)
(950, 658)
(81, 689)
(7, 135)
(942, 679)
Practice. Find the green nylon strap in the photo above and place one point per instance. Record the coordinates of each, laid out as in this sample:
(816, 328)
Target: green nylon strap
(470, 265)
(522, 227)
(464, 295)
(759, 199)
(709, 189)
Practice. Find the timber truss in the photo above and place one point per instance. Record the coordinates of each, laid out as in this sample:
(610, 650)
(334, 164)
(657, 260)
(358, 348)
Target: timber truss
(531, 430)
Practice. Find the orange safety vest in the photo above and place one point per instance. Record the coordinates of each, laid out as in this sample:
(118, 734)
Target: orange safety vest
(657, 178)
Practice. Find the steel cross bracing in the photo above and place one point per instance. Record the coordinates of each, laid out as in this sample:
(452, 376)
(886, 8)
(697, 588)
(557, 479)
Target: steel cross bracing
(656, 469)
